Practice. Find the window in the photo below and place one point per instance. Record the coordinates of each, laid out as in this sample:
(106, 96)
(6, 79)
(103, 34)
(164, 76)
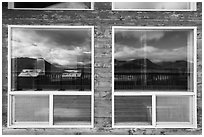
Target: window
(154, 77)
(72, 109)
(27, 108)
(154, 6)
(173, 108)
(133, 109)
(50, 76)
(51, 5)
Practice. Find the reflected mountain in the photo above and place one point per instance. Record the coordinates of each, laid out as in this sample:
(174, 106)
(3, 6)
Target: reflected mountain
(141, 64)
(18, 64)
(177, 65)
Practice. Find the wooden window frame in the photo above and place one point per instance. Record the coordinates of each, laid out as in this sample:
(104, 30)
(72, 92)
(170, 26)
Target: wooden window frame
(192, 8)
(50, 94)
(193, 95)
(11, 6)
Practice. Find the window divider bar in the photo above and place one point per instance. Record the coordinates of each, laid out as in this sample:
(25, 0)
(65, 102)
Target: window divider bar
(194, 111)
(51, 92)
(154, 110)
(137, 93)
(92, 110)
(9, 116)
(9, 110)
(92, 6)
(191, 109)
(51, 110)
(12, 110)
(195, 78)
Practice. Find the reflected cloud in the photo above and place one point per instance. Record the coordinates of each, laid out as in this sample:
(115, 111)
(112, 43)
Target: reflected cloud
(51, 5)
(152, 53)
(156, 45)
(67, 112)
(58, 46)
(151, 5)
(70, 5)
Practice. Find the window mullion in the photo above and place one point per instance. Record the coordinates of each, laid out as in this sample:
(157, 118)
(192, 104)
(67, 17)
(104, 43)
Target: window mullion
(190, 110)
(13, 110)
(144, 45)
(51, 110)
(154, 110)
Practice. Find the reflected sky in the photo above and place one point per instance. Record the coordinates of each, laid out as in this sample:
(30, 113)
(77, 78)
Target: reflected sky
(157, 45)
(72, 108)
(68, 5)
(66, 46)
(151, 5)
(31, 108)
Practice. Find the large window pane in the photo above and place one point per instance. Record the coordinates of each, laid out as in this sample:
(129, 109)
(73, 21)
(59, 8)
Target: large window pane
(156, 60)
(50, 5)
(51, 59)
(173, 108)
(72, 110)
(153, 5)
(31, 108)
(133, 110)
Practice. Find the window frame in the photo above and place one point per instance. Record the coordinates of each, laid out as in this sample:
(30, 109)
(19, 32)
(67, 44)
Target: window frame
(51, 93)
(193, 95)
(11, 6)
(193, 7)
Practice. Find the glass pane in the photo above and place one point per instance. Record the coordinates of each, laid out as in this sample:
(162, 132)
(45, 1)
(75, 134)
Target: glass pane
(152, 5)
(72, 110)
(123, 66)
(31, 108)
(51, 59)
(57, 5)
(134, 110)
(173, 108)
(153, 60)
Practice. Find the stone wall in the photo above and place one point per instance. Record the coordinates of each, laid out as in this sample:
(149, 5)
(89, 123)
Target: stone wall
(102, 18)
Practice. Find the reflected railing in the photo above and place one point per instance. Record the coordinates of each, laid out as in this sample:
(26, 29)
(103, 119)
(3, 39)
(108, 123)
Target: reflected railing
(151, 81)
(52, 81)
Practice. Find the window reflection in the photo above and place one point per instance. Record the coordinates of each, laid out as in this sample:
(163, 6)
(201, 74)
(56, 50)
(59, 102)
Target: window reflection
(51, 59)
(173, 108)
(69, 110)
(152, 5)
(153, 60)
(31, 108)
(136, 110)
(51, 5)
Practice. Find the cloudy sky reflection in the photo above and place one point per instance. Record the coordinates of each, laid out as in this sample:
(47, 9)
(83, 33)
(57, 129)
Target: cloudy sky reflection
(66, 46)
(157, 45)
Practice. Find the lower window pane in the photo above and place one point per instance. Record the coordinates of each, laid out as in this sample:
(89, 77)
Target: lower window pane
(72, 110)
(134, 110)
(173, 109)
(31, 108)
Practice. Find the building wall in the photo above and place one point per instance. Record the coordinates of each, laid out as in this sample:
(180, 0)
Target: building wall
(102, 18)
